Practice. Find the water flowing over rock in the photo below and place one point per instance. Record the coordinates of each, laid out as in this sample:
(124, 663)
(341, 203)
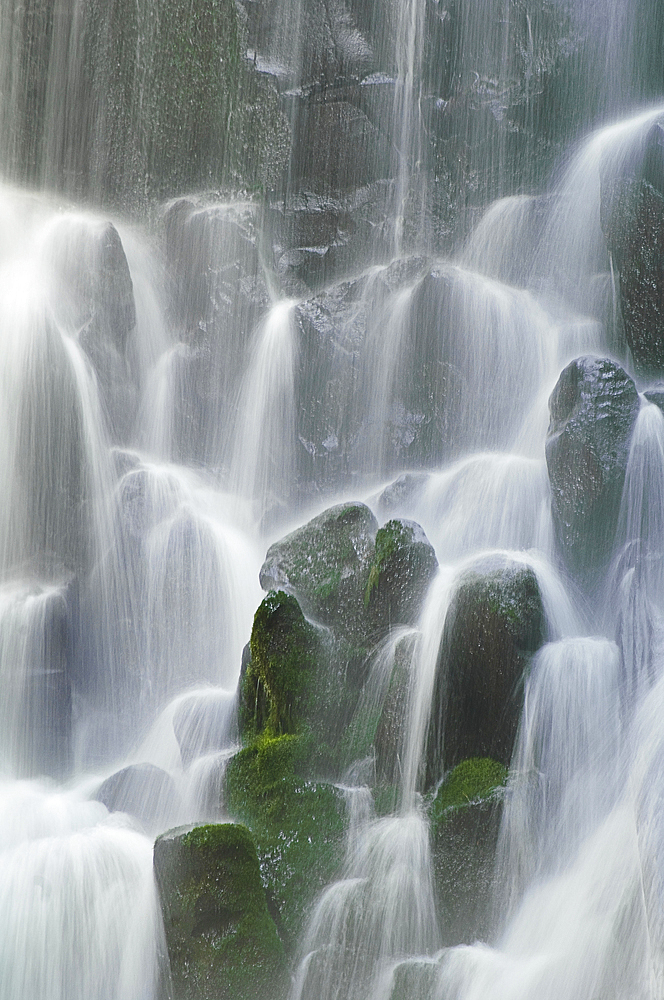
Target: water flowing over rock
(494, 624)
(301, 284)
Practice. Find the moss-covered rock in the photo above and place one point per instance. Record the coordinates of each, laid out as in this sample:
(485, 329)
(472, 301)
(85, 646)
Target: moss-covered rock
(494, 624)
(404, 564)
(222, 942)
(326, 564)
(298, 824)
(465, 820)
(275, 688)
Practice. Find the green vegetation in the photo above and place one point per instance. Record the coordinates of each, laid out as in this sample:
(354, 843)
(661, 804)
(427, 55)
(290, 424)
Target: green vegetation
(478, 779)
(298, 824)
(276, 686)
(389, 539)
(221, 939)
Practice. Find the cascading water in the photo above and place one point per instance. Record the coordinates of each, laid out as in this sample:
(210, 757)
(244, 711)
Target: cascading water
(374, 278)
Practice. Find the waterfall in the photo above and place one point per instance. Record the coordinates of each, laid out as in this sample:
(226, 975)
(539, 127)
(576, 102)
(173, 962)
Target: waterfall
(259, 259)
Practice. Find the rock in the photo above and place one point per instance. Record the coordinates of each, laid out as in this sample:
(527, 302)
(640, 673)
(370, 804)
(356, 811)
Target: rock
(403, 567)
(465, 822)
(326, 565)
(222, 943)
(633, 224)
(276, 684)
(335, 147)
(298, 825)
(405, 489)
(593, 408)
(494, 624)
(393, 720)
(144, 791)
(205, 722)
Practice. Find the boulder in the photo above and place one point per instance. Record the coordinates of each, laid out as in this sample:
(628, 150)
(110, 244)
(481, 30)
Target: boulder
(326, 564)
(222, 943)
(495, 622)
(144, 791)
(298, 824)
(593, 408)
(465, 819)
(403, 567)
(275, 687)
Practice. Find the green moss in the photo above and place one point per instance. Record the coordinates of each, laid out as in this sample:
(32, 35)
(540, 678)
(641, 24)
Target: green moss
(389, 539)
(475, 780)
(298, 825)
(284, 647)
(221, 940)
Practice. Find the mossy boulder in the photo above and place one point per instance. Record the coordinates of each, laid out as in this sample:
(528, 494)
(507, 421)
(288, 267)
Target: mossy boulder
(222, 942)
(404, 564)
(298, 824)
(326, 565)
(275, 687)
(593, 408)
(494, 624)
(465, 820)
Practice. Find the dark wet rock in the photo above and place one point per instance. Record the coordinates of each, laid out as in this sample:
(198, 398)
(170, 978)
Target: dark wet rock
(593, 408)
(494, 624)
(275, 688)
(205, 722)
(144, 791)
(222, 942)
(298, 824)
(326, 565)
(335, 149)
(404, 564)
(465, 819)
(634, 232)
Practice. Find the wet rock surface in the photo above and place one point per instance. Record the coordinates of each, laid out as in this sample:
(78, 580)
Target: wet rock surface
(494, 624)
(403, 567)
(633, 224)
(593, 408)
(465, 822)
(326, 564)
(222, 942)
(144, 791)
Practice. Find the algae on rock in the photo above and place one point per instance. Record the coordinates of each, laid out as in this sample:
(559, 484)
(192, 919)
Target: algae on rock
(222, 942)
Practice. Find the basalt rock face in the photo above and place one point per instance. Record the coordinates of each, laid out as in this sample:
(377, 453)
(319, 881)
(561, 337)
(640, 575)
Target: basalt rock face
(633, 224)
(593, 408)
(493, 626)
(222, 942)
